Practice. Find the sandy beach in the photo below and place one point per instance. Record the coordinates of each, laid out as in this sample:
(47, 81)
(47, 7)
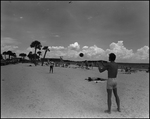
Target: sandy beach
(34, 92)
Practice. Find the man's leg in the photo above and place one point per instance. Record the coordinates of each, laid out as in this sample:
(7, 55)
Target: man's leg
(109, 94)
(52, 69)
(117, 99)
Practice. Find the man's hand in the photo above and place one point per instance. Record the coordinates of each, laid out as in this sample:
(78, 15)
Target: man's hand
(101, 67)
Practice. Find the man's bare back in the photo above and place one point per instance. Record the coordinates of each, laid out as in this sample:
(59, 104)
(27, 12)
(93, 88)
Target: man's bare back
(112, 70)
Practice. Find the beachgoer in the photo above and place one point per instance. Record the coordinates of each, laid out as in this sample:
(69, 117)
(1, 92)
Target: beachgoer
(51, 67)
(86, 64)
(112, 69)
(92, 65)
(126, 69)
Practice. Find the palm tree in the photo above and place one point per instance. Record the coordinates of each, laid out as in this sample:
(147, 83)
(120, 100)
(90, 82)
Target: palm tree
(39, 53)
(5, 53)
(36, 56)
(23, 55)
(36, 45)
(30, 56)
(14, 55)
(9, 53)
(46, 49)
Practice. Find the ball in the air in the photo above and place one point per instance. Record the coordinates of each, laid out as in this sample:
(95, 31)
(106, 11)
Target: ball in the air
(81, 54)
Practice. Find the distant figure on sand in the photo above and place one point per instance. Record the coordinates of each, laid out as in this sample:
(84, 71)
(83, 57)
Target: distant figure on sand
(91, 65)
(86, 64)
(51, 67)
(112, 69)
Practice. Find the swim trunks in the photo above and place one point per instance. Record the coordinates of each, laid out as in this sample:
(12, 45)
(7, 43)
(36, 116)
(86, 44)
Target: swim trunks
(111, 83)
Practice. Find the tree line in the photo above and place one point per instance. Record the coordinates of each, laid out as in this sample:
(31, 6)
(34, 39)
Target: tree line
(33, 57)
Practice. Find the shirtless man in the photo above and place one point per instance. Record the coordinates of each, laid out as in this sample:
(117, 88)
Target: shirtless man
(112, 69)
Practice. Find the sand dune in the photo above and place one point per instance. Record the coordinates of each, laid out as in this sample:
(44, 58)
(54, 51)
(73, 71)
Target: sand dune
(34, 92)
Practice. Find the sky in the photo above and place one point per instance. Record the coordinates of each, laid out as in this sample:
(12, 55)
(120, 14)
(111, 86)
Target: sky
(95, 28)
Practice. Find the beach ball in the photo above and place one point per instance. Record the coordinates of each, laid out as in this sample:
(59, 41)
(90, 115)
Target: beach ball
(81, 54)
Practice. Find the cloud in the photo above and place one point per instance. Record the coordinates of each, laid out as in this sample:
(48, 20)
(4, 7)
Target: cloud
(72, 54)
(125, 54)
(56, 47)
(26, 51)
(8, 43)
(74, 46)
(96, 50)
(30, 49)
(68, 52)
(85, 47)
(142, 53)
(120, 50)
(56, 53)
(8, 47)
(7, 40)
(57, 36)
(90, 17)
(95, 53)
(92, 51)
